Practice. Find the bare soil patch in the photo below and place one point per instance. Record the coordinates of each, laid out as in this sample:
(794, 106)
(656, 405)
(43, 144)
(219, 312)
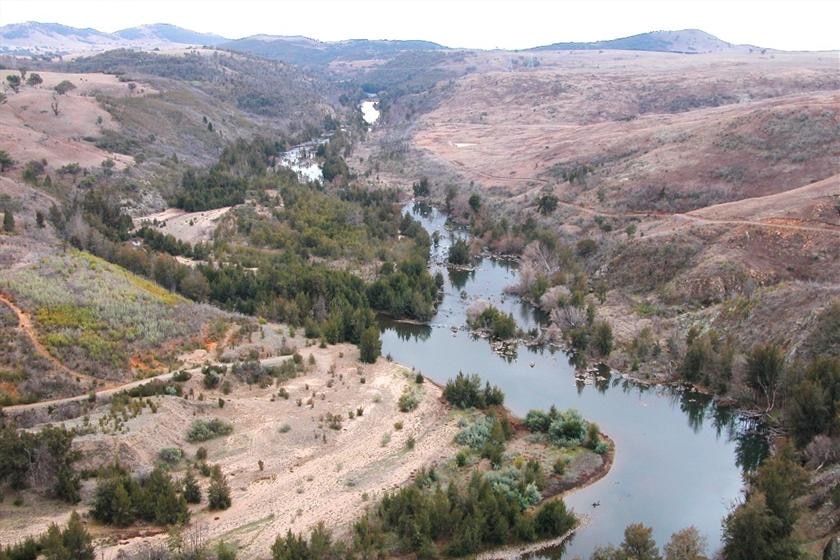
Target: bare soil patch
(191, 227)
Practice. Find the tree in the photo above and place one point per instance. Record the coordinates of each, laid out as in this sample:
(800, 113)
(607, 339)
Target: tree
(64, 86)
(192, 492)
(292, 547)
(218, 494)
(40, 219)
(639, 544)
(813, 405)
(547, 203)
(553, 519)
(781, 480)
(422, 188)
(751, 531)
(8, 221)
(73, 543)
(5, 160)
(765, 367)
(686, 544)
(34, 79)
(112, 503)
(370, 346)
(14, 82)
(159, 502)
(602, 338)
(459, 252)
(475, 202)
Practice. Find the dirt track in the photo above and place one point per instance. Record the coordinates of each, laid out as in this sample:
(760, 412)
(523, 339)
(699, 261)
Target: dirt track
(25, 324)
(312, 472)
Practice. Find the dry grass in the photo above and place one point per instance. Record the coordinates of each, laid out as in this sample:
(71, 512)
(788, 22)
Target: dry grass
(94, 316)
(311, 472)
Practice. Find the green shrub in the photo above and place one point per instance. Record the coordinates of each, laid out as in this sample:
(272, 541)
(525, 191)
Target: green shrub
(501, 326)
(459, 253)
(409, 399)
(568, 430)
(203, 430)
(466, 392)
(218, 493)
(171, 455)
(191, 490)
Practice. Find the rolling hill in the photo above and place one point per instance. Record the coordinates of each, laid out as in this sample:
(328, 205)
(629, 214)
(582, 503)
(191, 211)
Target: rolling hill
(35, 38)
(688, 41)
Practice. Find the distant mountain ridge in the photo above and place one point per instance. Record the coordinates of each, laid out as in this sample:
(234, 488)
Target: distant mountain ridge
(171, 33)
(35, 38)
(687, 41)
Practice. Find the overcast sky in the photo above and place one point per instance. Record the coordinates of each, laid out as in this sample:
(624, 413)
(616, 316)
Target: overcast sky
(791, 24)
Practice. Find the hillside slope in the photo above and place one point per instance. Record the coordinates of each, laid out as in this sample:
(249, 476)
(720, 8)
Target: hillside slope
(36, 38)
(689, 41)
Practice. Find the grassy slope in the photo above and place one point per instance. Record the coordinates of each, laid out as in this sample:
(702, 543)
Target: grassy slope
(102, 321)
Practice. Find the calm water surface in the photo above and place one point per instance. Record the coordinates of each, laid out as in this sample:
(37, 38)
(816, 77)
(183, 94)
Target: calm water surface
(679, 458)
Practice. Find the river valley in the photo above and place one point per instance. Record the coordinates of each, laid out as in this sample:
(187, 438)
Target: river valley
(679, 457)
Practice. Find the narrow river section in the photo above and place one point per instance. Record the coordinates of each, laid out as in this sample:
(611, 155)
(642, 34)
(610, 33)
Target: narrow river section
(680, 458)
(370, 111)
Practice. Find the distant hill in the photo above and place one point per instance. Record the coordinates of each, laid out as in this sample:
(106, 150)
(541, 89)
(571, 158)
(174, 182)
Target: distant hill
(683, 41)
(309, 52)
(36, 38)
(165, 32)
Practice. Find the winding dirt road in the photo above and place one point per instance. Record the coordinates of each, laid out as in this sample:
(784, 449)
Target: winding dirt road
(25, 324)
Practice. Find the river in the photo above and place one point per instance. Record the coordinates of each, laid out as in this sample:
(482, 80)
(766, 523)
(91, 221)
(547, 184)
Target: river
(370, 111)
(679, 458)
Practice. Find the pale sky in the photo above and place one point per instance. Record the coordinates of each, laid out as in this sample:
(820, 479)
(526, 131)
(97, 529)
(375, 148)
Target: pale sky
(511, 24)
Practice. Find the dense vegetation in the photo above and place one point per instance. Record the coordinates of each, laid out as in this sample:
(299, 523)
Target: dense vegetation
(256, 85)
(465, 391)
(499, 325)
(72, 542)
(240, 165)
(120, 499)
(203, 430)
(565, 429)
(43, 460)
(293, 285)
(428, 519)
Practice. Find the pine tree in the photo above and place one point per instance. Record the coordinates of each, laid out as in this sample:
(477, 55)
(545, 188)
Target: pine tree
(73, 543)
(76, 539)
(218, 494)
(192, 492)
(370, 346)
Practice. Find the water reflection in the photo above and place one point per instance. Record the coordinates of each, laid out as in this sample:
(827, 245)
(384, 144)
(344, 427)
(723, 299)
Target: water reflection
(410, 332)
(459, 278)
(680, 456)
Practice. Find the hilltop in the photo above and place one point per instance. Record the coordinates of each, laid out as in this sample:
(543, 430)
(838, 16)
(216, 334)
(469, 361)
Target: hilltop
(35, 38)
(686, 41)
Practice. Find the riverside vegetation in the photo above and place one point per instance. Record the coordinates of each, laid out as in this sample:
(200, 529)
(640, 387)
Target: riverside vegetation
(325, 257)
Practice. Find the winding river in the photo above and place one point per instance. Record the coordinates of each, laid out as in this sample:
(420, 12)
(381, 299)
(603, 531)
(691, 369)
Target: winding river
(680, 458)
